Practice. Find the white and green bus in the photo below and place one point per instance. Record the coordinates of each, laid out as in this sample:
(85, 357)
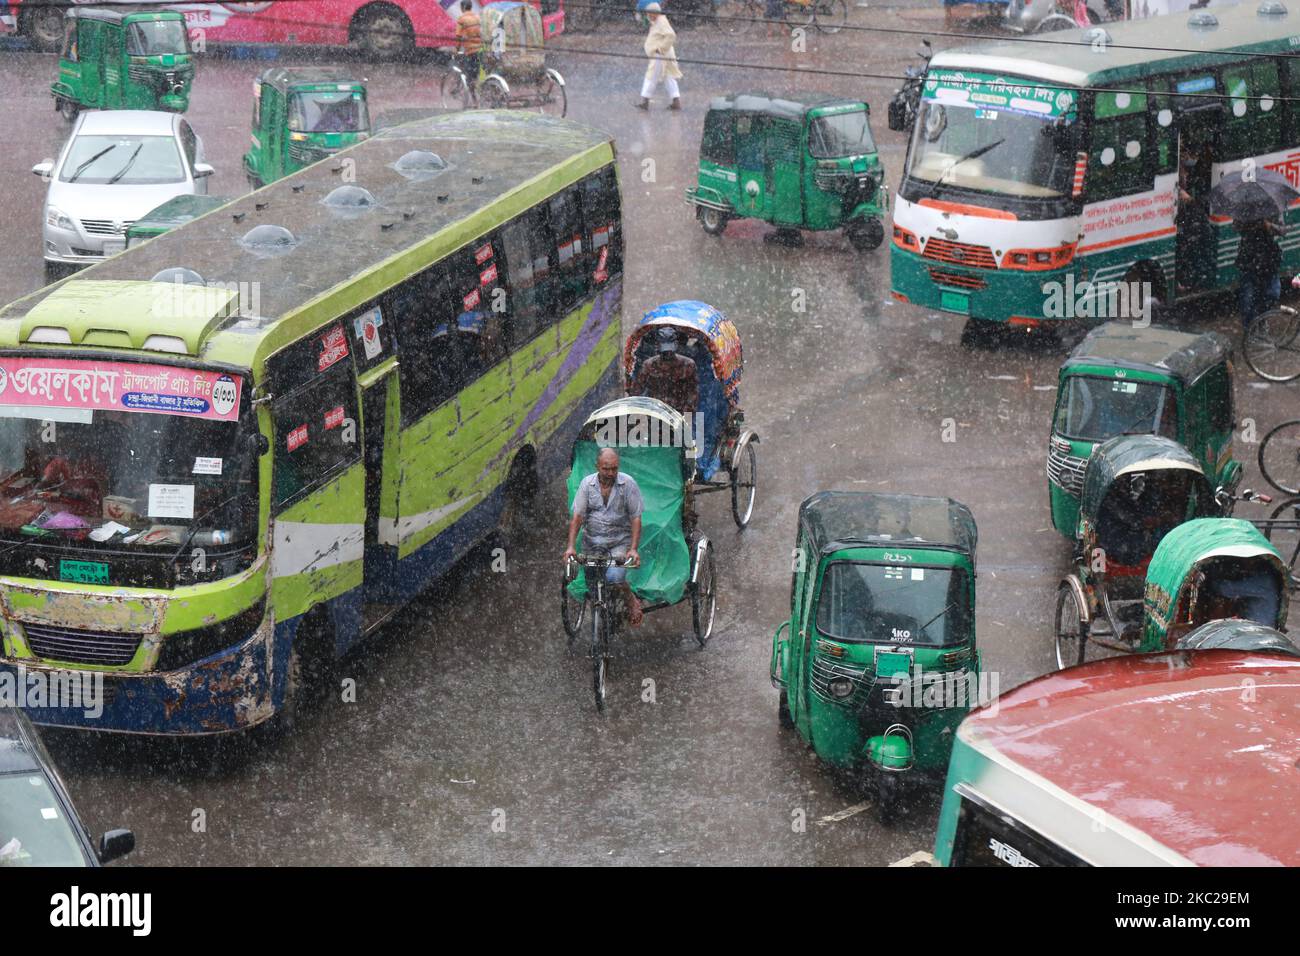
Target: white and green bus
(1042, 177)
(228, 454)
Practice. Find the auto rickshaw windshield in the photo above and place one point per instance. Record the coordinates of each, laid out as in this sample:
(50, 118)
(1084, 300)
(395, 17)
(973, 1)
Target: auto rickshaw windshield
(840, 134)
(905, 605)
(155, 37)
(989, 151)
(327, 111)
(1094, 409)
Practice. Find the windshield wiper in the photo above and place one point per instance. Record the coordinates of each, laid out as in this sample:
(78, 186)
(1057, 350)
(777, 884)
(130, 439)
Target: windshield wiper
(82, 168)
(129, 163)
(975, 153)
(937, 616)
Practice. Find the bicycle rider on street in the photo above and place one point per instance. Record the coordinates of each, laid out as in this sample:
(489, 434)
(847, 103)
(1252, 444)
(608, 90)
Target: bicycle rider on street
(609, 503)
(469, 41)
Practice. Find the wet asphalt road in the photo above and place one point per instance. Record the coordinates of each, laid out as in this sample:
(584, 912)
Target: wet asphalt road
(469, 713)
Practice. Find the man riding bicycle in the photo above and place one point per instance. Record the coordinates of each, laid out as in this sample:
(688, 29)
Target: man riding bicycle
(469, 41)
(609, 503)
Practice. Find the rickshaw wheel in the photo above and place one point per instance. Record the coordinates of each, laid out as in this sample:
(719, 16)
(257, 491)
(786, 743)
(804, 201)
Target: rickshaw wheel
(68, 109)
(704, 598)
(552, 100)
(455, 91)
(1069, 631)
(1279, 457)
(714, 221)
(492, 95)
(572, 612)
(744, 486)
(831, 15)
(866, 235)
(1271, 345)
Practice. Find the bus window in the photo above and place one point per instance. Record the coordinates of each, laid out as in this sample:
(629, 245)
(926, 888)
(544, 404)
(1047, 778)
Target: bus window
(314, 411)
(1117, 158)
(1254, 119)
(477, 291)
(419, 307)
(570, 277)
(600, 207)
(1164, 131)
(526, 245)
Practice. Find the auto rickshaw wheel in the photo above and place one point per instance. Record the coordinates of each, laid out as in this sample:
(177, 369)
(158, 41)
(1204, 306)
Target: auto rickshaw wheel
(704, 598)
(889, 790)
(866, 234)
(713, 220)
(783, 712)
(68, 109)
(1069, 630)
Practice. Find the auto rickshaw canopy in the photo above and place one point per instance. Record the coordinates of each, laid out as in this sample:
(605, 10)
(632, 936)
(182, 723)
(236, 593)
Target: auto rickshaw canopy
(835, 520)
(1173, 580)
(286, 78)
(1180, 355)
(764, 104)
(122, 14)
(1237, 635)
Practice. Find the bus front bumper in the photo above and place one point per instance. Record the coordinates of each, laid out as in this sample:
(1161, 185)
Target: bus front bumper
(992, 295)
(232, 690)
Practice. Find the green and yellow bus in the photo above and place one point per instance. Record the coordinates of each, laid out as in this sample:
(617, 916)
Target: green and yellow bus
(234, 451)
(1042, 177)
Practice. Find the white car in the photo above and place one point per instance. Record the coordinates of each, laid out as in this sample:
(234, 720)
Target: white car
(115, 167)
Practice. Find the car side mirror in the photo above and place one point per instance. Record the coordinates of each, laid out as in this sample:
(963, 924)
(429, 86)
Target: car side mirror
(115, 844)
(45, 169)
(202, 170)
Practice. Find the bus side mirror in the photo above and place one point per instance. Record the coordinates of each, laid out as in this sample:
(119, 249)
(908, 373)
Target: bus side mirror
(258, 445)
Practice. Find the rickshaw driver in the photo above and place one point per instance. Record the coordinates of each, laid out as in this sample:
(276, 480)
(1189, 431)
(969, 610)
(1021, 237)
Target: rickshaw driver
(610, 504)
(670, 377)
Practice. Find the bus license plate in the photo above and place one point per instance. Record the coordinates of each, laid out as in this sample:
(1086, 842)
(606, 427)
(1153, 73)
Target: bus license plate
(83, 572)
(954, 302)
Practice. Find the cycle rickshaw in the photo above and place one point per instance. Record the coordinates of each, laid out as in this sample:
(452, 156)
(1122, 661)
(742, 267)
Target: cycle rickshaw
(655, 447)
(727, 456)
(513, 73)
(1136, 489)
(1211, 569)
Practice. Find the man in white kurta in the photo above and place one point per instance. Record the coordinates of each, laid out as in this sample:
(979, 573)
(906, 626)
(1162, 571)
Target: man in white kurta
(663, 59)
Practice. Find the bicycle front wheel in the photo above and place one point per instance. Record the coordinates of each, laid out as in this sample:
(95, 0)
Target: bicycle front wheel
(830, 16)
(455, 91)
(1279, 457)
(1272, 345)
(599, 654)
(736, 17)
(1283, 532)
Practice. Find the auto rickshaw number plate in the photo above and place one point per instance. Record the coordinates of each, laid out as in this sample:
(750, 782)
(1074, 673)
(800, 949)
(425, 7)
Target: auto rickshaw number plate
(893, 664)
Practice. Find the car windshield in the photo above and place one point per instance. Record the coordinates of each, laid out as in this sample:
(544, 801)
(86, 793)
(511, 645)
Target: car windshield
(1094, 409)
(128, 160)
(155, 37)
(894, 604)
(328, 111)
(123, 479)
(842, 134)
(33, 829)
(988, 150)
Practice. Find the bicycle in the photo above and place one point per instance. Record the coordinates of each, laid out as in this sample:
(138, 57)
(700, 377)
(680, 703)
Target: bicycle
(1271, 345)
(1279, 457)
(742, 17)
(607, 612)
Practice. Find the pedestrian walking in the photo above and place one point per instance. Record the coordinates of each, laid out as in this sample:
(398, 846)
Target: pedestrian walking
(663, 59)
(1259, 258)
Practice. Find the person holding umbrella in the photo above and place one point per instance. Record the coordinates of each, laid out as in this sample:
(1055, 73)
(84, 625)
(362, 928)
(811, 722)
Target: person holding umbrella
(1256, 200)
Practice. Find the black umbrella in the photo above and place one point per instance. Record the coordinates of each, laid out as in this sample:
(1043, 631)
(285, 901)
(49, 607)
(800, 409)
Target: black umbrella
(1252, 195)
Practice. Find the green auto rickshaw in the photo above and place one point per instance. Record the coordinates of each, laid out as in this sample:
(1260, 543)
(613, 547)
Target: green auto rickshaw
(124, 58)
(878, 664)
(1207, 570)
(176, 211)
(798, 165)
(301, 115)
(1122, 379)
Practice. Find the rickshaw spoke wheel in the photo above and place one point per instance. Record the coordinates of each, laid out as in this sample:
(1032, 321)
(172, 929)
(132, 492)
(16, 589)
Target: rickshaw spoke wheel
(455, 91)
(492, 94)
(831, 15)
(551, 98)
(744, 485)
(1279, 457)
(1070, 632)
(1271, 345)
(1283, 530)
(704, 598)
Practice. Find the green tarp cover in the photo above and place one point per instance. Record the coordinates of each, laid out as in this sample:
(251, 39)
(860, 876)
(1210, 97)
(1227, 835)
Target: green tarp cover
(665, 560)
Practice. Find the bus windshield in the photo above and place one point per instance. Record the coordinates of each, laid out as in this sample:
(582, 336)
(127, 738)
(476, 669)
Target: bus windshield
(122, 457)
(988, 150)
(840, 134)
(325, 111)
(895, 604)
(155, 37)
(1094, 409)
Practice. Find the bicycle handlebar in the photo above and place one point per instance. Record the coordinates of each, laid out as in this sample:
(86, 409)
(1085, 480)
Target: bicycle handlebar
(597, 561)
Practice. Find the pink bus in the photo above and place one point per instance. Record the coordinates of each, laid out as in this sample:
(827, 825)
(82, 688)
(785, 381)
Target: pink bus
(382, 29)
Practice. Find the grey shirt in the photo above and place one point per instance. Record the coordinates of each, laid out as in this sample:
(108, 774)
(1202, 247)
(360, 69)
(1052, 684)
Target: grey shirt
(608, 524)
